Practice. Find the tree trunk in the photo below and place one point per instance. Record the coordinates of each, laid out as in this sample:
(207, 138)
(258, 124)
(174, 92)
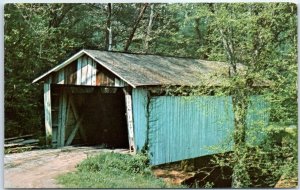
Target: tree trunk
(143, 9)
(109, 28)
(240, 100)
(198, 31)
(56, 16)
(149, 29)
(228, 47)
(240, 104)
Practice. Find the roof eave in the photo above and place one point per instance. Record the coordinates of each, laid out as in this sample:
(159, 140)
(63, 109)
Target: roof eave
(102, 64)
(58, 67)
(73, 58)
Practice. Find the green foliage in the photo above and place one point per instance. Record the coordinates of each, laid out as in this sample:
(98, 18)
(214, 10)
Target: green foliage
(116, 162)
(283, 143)
(263, 165)
(263, 39)
(17, 150)
(261, 36)
(112, 170)
(208, 185)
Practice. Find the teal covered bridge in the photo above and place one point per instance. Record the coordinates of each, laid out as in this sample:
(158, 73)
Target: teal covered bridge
(118, 100)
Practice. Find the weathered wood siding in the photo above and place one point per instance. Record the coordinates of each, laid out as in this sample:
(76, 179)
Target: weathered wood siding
(47, 107)
(62, 118)
(85, 71)
(55, 114)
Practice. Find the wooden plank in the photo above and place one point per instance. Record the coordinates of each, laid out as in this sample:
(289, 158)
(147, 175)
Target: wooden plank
(47, 107)
(23, 143)
(73, 133)
(84, 70)
(73, 73)
(15, 141)
(19, 137)
(119, 83)
(90, 71)
(62, 118)
(94, 73)
(55, 96)
(79, 62)
(61, 76)
(29, 141)
(128, 104)
(64, 110)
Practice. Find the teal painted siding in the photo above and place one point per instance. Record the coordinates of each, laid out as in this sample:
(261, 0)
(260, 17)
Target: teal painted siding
(179, 128)
(139, 107)
(182, 128)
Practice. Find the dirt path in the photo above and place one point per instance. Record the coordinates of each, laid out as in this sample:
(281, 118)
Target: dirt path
(38, 169)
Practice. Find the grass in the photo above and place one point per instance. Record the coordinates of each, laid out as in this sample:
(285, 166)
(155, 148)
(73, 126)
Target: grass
(113, 170)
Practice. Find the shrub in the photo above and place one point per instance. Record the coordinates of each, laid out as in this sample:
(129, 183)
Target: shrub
(116, 162)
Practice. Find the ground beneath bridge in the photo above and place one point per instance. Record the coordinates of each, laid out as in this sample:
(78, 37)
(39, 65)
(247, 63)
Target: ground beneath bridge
(39, 168)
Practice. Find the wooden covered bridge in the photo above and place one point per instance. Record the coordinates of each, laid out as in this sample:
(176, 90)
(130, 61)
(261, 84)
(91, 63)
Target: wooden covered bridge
(115, 99)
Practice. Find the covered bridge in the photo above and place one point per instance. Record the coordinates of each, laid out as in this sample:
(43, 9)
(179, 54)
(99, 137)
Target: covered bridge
(115, 99)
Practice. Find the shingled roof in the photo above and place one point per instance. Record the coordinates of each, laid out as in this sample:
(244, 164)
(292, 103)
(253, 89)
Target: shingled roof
(144, 70)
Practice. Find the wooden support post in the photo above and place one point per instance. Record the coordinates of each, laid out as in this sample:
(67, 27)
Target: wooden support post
(47, 108)
(62, 118)
(129, 118)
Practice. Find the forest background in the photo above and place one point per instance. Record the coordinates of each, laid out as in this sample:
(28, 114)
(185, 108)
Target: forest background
(39, 36)
(262, 36)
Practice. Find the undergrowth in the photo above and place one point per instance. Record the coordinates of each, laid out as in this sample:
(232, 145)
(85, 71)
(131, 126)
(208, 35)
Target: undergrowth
(113, 170)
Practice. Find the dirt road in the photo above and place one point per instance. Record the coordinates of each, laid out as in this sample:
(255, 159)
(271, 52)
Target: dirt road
(38, 169)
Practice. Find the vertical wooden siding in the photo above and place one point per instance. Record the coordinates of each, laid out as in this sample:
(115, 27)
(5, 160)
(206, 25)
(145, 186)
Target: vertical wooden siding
(62, 118)
(47, 107)
(181, 128)
(71, 74)
(55, 114)
(139, 106)
(85, 71)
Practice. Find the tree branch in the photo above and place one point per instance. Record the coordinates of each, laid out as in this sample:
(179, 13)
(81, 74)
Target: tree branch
(143, 9)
